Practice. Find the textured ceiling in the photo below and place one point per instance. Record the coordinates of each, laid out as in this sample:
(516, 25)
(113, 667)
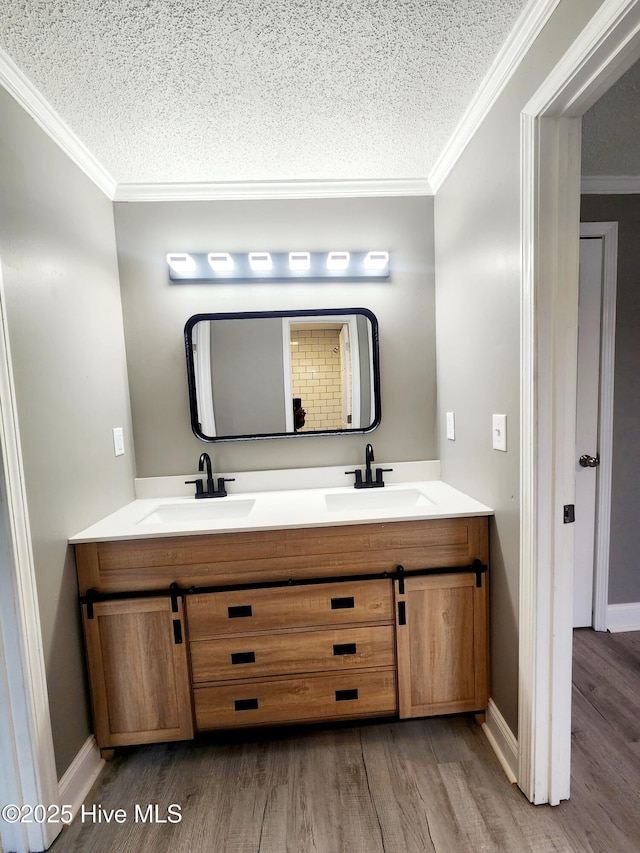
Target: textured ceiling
(611, 129)
(246, 90)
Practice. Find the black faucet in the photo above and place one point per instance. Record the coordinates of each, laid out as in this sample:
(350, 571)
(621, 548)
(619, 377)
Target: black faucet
(368, 482)
(211, 491)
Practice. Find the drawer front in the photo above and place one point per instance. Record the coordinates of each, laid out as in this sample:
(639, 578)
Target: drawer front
(306, 699)
(302, 651)
(243, 611)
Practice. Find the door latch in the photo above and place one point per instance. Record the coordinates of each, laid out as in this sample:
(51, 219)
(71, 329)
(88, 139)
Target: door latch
(587, 461)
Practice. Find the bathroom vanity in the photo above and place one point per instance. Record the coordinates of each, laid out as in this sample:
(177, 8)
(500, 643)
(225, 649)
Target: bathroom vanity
(310, 605)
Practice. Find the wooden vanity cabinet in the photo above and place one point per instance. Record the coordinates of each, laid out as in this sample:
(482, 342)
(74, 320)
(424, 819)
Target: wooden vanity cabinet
(138, 670)
(283, 626)
(442, 643)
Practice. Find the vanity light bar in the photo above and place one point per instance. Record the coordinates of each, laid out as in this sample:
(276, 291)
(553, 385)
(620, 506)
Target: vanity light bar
(278, 266)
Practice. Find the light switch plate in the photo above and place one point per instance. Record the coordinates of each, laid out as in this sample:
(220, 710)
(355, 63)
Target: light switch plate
(118, 441)
(499, 432)
(451, 426)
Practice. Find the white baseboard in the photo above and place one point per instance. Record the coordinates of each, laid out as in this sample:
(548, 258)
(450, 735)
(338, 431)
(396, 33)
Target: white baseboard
(80, 775)
(623, 617)
(502, 740)
(610, 185)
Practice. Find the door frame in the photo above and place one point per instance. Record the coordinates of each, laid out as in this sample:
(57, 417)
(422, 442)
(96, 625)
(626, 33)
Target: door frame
(550, 141)
(608, 232)
(29, 771)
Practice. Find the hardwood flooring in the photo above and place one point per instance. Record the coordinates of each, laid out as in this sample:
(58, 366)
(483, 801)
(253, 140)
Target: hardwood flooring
(413, 786)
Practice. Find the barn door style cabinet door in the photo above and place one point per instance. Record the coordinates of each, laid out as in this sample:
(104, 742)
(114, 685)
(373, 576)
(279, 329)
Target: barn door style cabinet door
(138, 670)
(442, 643)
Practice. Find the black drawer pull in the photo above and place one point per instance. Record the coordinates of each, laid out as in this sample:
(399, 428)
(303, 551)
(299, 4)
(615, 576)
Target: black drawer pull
(239, 611)
(246, 704)
(344, 603)
(177, 632)
(344, 648)
(243, 657)
(344, 695)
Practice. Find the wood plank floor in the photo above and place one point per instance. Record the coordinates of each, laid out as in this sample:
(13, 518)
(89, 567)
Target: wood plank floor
(386, 787)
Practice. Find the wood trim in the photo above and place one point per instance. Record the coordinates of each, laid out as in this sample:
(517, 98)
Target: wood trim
(525, 31)
(41, 111)
(26, 742)
(610, 185)
(550, 190)
(238, 190)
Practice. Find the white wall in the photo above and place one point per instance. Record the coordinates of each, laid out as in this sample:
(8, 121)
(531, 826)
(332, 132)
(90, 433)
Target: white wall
(155, 312)
(57, 250)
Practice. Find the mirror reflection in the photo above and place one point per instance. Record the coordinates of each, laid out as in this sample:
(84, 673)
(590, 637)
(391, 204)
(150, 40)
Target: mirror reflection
(277, 374)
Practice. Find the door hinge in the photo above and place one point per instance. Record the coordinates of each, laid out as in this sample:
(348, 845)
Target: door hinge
(569, 514)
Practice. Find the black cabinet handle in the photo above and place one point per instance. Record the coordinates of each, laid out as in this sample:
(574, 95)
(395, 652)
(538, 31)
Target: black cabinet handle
(344, 648)
(243, 657)
(344, 695)
(344, 603)
(402, 613)
(239, 611)
(245, 704)
(177, 632)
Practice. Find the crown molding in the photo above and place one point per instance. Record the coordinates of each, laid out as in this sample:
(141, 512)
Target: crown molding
(25, 93)
(525, 31)
(610, 185)
(253, 190)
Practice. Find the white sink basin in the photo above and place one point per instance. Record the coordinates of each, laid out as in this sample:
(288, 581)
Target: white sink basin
(368, 499)
(205, 509)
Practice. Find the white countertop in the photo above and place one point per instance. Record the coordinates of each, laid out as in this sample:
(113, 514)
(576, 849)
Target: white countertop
(155, 517)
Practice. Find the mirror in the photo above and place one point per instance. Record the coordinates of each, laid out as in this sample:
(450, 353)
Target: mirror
(273, 374)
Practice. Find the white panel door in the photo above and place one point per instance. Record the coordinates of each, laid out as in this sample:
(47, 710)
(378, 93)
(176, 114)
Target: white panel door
(587, 411)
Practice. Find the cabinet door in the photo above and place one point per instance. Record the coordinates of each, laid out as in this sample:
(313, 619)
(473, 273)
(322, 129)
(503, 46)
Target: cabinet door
(442, 636)
(138, 671)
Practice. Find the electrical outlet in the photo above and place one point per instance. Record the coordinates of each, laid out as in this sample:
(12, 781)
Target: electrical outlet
(118, 441)
(499, 432)
(451, 426)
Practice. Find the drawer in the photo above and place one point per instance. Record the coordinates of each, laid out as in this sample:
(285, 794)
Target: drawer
(243, 611)
(363, 693)
(296, 651)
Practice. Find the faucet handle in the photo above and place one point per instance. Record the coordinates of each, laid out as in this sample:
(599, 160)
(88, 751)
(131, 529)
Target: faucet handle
(358, 473)
(380, 472)
(221, 491)
(197, 484)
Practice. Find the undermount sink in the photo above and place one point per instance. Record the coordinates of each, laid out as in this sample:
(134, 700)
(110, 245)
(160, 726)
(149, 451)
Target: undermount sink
(206, 509)
(361, 499)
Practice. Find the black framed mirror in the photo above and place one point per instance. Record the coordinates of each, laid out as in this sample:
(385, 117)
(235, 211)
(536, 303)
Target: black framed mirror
(277, 374)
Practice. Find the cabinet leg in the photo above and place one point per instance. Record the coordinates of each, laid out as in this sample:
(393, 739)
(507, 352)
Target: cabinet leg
(107, 753)
(480, 717)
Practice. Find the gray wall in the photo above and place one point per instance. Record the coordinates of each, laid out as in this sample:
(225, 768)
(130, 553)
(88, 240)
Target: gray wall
(477, 233)
(58, 261)
(155, 312)
(624, 578)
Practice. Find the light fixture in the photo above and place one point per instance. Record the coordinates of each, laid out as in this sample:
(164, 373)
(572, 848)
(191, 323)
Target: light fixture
(181, 262)
(260, 261)
(376, 260)
(299, 261)
(338, 260)
(326, 266)
(220, 261)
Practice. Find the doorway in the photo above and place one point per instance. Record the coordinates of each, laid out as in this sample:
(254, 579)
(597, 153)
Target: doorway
(550, 196)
